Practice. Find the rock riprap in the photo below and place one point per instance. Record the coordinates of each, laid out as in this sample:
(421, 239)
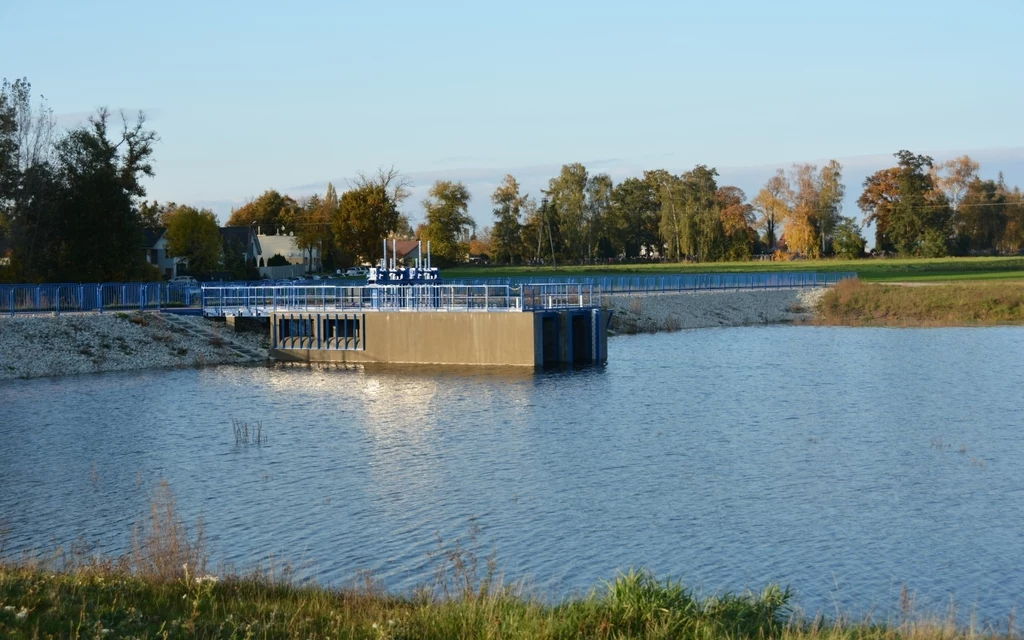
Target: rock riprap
(38, 346)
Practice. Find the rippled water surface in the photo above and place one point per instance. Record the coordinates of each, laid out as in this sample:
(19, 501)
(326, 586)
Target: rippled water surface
(844, 462)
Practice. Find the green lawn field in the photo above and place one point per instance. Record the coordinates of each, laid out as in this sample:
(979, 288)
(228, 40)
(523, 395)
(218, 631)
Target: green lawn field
(871, 270)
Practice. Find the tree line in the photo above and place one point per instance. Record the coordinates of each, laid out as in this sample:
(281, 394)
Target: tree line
(73, 208)
(69, 201)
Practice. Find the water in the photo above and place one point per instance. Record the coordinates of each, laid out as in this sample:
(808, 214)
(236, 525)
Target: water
(826, 459)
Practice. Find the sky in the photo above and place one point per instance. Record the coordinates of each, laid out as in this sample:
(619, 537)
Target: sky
(249, 96)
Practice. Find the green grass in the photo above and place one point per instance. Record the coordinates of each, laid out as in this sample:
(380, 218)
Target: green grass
(978, 303)
(872, 270)
(99, 602)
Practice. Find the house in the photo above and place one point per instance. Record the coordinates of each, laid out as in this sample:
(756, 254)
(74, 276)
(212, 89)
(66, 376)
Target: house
(408, 252)
(241, 240)
(154, 245)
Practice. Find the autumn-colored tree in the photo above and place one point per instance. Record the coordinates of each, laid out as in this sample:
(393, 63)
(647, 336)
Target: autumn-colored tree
(194, 237)
(506, 237)
(737, 218)
(481, 244)
(772, 206)
(313, 221)
(881, 192)
(448, 220)
(365, 216)
(272, 213)
(954, 178)
(916, 216)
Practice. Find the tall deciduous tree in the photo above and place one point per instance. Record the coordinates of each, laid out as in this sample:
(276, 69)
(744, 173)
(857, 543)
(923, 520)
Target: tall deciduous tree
(803, 222)
(448, 220)
(848, 242)
(916, 216)
(772, 205)
(831, 191)
(877, 201)
(194, 236)
(634, 217)
(954, 178)
(506, 237)
(737, 218)
(1013, 233)
(84, 221)
(568, 197)
(599, 198)
(313, 223)
(366, 215)
(690, 222)
(980, 220)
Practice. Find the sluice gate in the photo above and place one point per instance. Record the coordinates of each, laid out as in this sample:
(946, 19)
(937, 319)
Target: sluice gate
(545, 325)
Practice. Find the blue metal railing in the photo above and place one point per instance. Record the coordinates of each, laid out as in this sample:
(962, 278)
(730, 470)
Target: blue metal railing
(610, 285)
(120, 296)
(129, 296)
(249, 300)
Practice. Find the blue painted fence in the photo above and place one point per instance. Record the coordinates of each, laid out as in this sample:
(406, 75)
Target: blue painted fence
(127, 296)
(131, 296)
(609, 285)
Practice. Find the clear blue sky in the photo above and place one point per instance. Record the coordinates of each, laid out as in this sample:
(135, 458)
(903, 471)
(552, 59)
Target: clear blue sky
(251, 95)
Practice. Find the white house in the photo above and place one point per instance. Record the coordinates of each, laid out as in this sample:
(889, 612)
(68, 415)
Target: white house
(155, 248)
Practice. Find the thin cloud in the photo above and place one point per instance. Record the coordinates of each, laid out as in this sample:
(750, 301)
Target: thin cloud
(76, 118)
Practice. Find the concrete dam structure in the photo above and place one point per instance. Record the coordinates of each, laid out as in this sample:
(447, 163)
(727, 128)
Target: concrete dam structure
(495, 325)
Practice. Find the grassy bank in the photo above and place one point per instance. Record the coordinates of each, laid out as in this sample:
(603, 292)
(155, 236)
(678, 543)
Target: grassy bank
(96, 603)
(855, 303)
(873, 270)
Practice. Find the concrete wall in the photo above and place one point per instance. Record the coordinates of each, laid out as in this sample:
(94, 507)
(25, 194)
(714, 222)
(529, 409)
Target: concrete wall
(451, 338)
(428, 338)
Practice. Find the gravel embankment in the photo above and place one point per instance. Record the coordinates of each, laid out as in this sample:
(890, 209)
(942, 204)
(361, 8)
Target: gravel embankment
(697, 310)
(38, 346)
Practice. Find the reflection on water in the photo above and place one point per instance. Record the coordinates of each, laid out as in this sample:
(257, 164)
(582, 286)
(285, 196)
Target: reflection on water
(829, 459)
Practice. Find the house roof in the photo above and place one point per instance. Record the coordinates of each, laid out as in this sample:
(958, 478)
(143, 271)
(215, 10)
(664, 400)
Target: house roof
(239, 235)
(151, 236)
(404, 247)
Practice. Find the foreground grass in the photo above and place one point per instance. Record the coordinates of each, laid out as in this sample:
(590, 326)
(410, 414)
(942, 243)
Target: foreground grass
(853, 303)
(90, 603)
(873, 270)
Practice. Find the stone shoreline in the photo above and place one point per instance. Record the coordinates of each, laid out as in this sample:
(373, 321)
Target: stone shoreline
(706, 309)
(42, 346)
